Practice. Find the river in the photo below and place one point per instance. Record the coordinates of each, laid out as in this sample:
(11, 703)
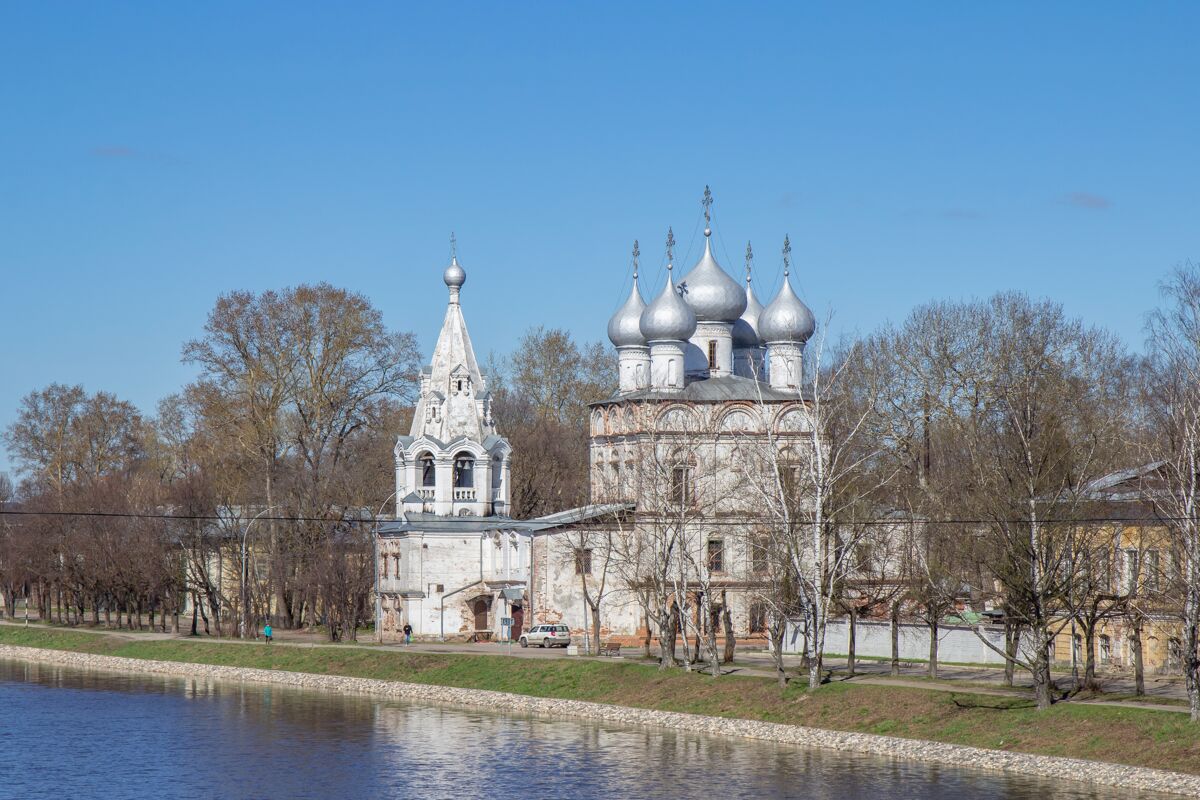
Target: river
(68, 733)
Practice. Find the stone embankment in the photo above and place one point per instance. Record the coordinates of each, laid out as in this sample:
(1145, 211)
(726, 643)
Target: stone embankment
(1115, 775)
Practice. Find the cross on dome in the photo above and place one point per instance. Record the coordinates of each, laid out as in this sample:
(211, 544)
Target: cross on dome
(707, 203)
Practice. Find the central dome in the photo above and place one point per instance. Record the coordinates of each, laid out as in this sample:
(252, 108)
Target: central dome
(713, 295)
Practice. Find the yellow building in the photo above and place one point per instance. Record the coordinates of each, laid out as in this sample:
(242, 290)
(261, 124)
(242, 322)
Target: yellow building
(1129, 577)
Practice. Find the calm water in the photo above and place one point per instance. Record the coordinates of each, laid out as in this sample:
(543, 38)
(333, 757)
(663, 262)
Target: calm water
(79, 734)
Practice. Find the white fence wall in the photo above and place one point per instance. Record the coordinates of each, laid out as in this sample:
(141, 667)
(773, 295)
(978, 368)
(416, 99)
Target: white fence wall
(955, 643)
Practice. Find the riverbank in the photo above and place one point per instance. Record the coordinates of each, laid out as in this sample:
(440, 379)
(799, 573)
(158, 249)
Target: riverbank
(962, 730)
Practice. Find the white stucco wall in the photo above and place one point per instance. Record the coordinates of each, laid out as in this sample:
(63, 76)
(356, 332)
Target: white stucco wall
(873, 639)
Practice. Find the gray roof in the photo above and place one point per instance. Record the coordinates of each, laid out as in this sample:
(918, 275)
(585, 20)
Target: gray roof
(580, 514)
(433, 523)
(1103, 486)
(713, 390)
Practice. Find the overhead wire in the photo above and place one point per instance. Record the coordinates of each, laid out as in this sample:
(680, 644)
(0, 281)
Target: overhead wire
(704, 523)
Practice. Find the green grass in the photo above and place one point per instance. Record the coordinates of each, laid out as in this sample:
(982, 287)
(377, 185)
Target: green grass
(1104, 733)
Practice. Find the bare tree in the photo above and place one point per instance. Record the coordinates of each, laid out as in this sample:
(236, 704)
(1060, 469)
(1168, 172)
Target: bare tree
(1173, 411)
(819, 487)
(541, 392)
(1033, 407)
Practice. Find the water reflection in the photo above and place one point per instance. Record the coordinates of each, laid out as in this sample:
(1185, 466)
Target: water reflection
(74, 733)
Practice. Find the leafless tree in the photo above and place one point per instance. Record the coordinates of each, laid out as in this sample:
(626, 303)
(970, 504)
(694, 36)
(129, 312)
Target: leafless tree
(819, 490)
(1031, 407)
(1173, 412)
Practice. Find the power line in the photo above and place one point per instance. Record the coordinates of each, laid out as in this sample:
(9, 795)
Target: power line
(697, 522)
(185, 517)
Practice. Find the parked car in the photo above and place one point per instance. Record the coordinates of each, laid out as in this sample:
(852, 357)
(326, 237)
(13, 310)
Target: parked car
(546, 636)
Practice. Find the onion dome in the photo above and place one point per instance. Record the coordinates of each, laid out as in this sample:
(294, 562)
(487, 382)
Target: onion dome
(454, 276)
(668, 316)
(745, 330)
(624, 329)
(786, 318)
(709, 290)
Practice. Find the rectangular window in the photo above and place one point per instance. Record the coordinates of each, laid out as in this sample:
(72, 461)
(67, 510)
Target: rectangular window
(716, 555)
(789, 481)
(1103, 568)
(1131, 571)
(680, 490)
(758, 618)
(383, 569)
(758, 554)
(712, 353)
(1152, 570)
(583, 561)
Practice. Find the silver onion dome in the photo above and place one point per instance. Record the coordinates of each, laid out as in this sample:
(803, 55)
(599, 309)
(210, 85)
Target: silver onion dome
(454, 276)
(624, 329)
(786, 318)
(745, 330)
(709, 290)
(668, 317)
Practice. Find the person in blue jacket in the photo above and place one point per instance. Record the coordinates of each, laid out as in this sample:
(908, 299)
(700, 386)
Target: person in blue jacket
(267, 632)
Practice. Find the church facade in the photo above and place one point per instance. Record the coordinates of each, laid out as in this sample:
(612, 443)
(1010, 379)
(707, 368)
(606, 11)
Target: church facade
(707, 376)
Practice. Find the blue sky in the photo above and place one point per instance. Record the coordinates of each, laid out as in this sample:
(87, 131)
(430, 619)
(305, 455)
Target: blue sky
(153, 156)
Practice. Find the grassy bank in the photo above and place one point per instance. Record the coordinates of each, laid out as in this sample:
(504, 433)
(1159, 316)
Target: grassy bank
(1128, 736)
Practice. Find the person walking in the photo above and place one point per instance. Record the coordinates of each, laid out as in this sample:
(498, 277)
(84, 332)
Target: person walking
(407, 633)
(267, 632)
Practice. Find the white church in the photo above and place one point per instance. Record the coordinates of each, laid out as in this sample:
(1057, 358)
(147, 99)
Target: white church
(703, 364)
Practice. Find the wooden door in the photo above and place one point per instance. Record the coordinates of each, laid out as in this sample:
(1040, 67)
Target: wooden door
(518, 618)
(481, 614)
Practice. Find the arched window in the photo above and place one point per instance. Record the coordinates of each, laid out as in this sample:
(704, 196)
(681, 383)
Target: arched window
(464, 471)
(428, 475)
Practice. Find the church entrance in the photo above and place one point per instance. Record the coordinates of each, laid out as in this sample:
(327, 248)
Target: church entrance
(480, 608)
(518, 621)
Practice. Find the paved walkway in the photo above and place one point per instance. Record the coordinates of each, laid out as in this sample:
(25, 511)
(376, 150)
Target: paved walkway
(963, 680)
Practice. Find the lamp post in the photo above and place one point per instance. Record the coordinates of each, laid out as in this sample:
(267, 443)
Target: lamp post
(378, 622)
(245, 536)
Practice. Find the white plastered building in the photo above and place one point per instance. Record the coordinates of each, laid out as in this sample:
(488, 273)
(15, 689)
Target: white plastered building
(702, 362)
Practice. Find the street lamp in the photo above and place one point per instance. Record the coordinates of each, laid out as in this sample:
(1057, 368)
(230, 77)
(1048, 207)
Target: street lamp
(245, 605)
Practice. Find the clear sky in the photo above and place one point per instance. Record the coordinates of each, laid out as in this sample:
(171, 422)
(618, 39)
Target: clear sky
(153, 156)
